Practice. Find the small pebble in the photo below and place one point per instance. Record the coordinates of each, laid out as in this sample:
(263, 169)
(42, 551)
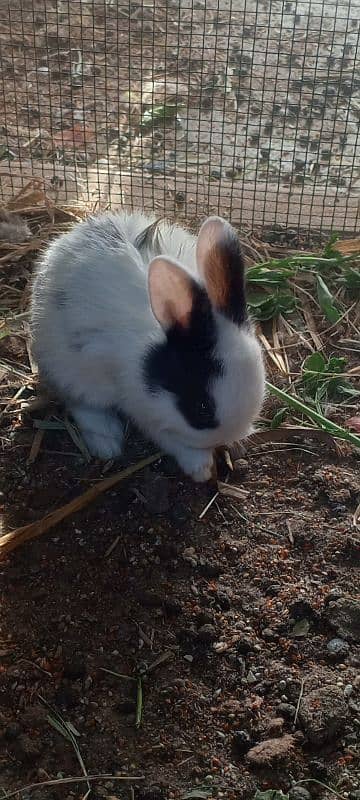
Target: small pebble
(223, 600)
(348, 690)
(241, 466)
(244, 646)
(318, 769)
(282, 686)
(251, 678)
(299, 793)
(241, 742)
(207, 634)
(337, 648)
(287, 709)
(12, 730)
(269, 634)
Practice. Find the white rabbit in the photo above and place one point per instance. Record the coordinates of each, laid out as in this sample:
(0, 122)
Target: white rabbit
(137, 316)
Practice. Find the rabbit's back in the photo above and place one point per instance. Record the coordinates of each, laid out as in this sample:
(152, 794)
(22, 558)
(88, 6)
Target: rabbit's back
(90, 311)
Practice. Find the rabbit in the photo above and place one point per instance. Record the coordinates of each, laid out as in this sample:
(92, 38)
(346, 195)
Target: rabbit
(132, 315)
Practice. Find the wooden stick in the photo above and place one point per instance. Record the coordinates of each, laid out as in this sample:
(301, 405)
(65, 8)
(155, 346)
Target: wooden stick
(12, 540)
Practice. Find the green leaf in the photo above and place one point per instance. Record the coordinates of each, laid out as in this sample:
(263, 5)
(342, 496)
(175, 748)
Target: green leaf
(159, 114)
(265, 276)
(326, 301)
(346, 390)
(322, 422)
(266, 306)
(271, 794)
(330, 251)
(336, 364)
(278, 418)
(351, 280)
(4, 332)
(301, 628)
(314, 363)
(59, 727)
(71, 728)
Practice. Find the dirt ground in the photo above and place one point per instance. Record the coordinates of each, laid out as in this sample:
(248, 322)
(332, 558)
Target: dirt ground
(242, 606)
(202, 651)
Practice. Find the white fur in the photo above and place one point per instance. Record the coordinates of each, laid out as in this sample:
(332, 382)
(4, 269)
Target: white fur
(91, 348)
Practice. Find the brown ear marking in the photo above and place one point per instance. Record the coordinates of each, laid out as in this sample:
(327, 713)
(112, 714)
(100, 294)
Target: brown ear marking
(172, 291)
(221, 265)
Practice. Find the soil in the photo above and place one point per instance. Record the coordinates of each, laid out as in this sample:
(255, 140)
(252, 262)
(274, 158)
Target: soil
(233, 613)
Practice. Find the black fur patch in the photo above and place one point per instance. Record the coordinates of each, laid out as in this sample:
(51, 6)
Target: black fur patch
(184, 365)
(231, 254)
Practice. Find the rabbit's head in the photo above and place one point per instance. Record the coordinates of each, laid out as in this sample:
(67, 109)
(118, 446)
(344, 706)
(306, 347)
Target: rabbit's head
(207, 375)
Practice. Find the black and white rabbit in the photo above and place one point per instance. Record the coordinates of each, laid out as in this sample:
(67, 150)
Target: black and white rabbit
(138, 316)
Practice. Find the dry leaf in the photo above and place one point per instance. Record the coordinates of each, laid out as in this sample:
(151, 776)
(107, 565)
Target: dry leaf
(229, 490)
(347, 246)
(271, 750)
(77, 136)
(354, 424)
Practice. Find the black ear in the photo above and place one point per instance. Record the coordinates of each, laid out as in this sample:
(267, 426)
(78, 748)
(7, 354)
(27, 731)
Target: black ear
(221, 265)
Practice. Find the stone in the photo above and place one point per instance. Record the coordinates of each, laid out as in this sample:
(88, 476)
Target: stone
(244, 646)
(241, 742)
(12, 731)
(269, 634)
(287, 709)
(337, 649)
(223, 601)
(318, 769)
(207, 634)
(322, 714)
(343, 615)
(241, 466)
(299, 793)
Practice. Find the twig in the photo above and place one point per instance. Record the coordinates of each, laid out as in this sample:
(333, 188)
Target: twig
(10, 541)
(118, 674)
(299, 702)
(356, 516)
(320, 783)
(139, 702)
(67, 731)
(112, 547)
(79, 779)
(208, 505)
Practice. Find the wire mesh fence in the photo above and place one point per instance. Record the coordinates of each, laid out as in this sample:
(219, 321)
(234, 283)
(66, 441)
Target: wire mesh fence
(249, 108)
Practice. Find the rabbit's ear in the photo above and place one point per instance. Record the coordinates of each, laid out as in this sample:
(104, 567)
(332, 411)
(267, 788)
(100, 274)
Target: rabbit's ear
(221, 266)
(172, 292)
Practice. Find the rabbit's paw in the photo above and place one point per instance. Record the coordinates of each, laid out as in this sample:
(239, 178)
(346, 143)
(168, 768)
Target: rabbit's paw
(198, 464)
(101, 430)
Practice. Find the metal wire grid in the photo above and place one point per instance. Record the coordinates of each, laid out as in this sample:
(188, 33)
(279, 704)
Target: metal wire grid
(243, 107)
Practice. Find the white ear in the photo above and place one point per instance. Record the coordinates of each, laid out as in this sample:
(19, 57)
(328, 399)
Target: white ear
(172, 293)
(220, 264)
